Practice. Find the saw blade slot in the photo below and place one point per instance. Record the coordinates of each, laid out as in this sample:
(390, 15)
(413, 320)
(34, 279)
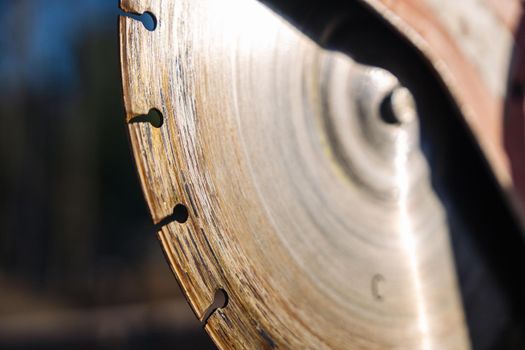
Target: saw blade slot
(147, 18)
(154, 117)
(220, 301)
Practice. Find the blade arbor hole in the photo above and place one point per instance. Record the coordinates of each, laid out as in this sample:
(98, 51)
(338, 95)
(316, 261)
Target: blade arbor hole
(387, 112)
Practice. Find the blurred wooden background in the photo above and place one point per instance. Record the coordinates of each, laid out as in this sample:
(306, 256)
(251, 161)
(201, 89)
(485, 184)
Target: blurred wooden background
(80, 264)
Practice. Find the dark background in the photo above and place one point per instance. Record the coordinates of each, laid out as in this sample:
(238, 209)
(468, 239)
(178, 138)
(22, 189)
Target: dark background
(80, 264)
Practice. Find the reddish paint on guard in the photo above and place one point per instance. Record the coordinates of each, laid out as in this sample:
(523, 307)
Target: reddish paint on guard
(514, 128)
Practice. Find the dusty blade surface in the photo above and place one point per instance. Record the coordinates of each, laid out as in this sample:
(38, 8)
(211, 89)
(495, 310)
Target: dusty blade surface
(308, 198)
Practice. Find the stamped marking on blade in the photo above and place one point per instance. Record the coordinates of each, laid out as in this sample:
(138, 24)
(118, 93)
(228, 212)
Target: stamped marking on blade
(377, 291)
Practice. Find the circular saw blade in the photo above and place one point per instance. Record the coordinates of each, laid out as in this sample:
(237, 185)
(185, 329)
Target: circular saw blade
(289, 176)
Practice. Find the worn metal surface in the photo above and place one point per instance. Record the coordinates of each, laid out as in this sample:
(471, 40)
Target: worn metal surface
(309, 200)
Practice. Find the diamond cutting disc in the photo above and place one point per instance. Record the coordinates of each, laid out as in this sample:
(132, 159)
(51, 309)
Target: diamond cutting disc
(293, 178)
